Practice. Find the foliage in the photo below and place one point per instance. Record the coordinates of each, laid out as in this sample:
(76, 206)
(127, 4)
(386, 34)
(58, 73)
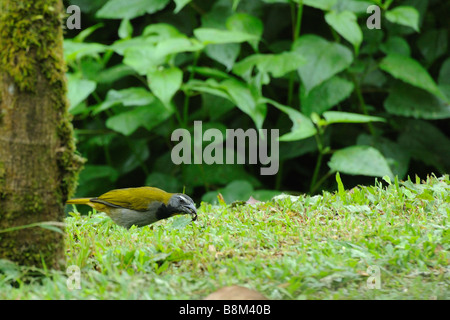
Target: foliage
(307, 247)
(364, 102)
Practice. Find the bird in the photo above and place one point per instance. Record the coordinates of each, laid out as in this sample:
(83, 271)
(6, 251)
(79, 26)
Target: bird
(140, 206)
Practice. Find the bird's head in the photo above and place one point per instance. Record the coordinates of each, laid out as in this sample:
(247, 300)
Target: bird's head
(182, 204)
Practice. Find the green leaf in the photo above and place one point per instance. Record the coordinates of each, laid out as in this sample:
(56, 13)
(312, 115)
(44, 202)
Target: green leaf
(242, 96)
(319, 4)
(225, 54)
(216, 106)
(356, 6)
(396, 157)
(326, 95)
(324, 59)
(404, 15)
(146, 116)
(276, 64)
(433, 44)
(396, 45)
(216, 36)
(125, 29)
(180, 4)
(341, 189)
(161, 31)
(177, 45)
(410, 71)
(426, 143)
(76, 50)
(347, 117)
(165, 83)
(135, 96)
(444, 73)
(345, 23)
(143, 59)
(87, 32)
(78, 90)
(210, 86)
(217, 174)
(360, 160)
(114, 73)
(248, 24)
(302, 126)
(234, 191)
(408, 101)
(50, 226)
(119, 9)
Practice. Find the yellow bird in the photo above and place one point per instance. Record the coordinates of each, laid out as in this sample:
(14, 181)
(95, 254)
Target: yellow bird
(140, 206)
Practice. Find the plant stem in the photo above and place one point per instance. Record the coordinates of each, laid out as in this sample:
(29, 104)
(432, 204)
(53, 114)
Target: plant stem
(318, 163)
(362, 103)
(316, 172)
(186, 94)
(295, 35)
(279, 176)
(321, 180)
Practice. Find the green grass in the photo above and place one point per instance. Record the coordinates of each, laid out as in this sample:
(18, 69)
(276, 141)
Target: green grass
(307, 248)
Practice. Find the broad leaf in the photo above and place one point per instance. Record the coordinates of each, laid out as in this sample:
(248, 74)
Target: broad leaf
(165, 83)
(404, 15)
(119, 9)
(242, 96)
(405, 100)
(360, 160)
(146, 116)
(319, 4)
(225, 54)
(348, 117)
(346, 25)
(324, 59)
(426, 143)
(126, 29)
(396, 156)
(215, 36)
(276, 64)
(246, 23)
(134, 96)
(325, 96)
(410, 71)
(180, 4)
(396, 45)
(78, 90)
(433, 44)
(302, 127)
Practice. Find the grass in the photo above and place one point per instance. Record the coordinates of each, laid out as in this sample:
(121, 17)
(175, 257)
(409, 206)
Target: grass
(316, 247)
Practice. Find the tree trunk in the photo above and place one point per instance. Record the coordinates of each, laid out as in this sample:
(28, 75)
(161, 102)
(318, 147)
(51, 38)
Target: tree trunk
(38, 165)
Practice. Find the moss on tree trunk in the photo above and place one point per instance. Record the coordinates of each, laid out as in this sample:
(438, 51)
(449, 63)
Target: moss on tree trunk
(38, 165)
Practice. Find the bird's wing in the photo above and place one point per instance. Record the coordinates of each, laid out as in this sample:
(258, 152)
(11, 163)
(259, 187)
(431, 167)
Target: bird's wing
(137, 199)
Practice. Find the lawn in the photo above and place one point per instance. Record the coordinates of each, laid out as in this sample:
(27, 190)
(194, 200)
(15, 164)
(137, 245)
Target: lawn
(306, 247)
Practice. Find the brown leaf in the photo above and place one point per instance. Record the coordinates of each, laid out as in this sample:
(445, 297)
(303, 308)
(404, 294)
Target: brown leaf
(235, 293)
(252, 200)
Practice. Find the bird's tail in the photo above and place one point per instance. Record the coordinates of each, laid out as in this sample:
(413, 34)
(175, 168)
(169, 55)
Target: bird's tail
(79, 201)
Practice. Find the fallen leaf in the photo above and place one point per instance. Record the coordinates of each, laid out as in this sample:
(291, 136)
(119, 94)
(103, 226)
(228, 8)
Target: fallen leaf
(235, 293)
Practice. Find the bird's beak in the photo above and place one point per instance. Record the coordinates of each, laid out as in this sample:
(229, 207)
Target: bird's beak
(192, 210)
